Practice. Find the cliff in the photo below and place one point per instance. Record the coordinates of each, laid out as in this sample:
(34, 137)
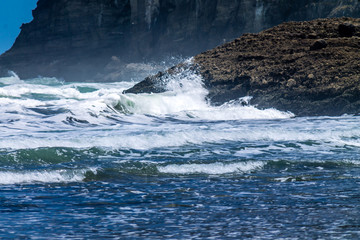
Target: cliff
(309, 68)
(96, 39)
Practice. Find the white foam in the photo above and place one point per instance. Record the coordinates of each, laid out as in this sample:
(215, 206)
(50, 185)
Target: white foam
(16, 99)
(21, 127)
(12, 79)
(69, 91)
(58, 176)
(152, 135)
(186, 97)
(212, 168)
(93, 103)
(185, 94)
(285, 179)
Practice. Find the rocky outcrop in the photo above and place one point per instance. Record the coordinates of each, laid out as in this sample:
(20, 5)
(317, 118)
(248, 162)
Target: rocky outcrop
(308, 68)
(79, 39)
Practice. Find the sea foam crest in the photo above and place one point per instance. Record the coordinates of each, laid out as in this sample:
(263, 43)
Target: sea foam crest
(13, 78)
(93, 102)
(186, 97)
(211, 168)
(184, 94)
(58, 176)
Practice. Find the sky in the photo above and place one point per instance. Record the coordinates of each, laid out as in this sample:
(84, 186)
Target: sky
(13, 13)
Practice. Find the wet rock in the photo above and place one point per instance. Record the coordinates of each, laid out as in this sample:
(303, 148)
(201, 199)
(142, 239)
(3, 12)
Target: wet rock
(346, 30)
(311, 76)
(318, 44)
(288, 76)
(291, 83)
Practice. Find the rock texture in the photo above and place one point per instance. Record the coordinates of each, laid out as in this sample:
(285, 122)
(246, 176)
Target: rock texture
(79, 39)
(308, 68)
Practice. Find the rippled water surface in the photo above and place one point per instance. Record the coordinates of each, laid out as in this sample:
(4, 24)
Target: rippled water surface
(83, 160)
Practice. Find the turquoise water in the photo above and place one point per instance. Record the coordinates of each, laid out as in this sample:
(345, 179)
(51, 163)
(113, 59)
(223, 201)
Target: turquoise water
(83, 160)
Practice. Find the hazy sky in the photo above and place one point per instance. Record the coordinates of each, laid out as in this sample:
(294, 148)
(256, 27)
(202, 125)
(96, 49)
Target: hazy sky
(13, 13)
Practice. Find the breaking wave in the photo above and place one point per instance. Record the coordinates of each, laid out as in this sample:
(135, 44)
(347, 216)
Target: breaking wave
(27, 177)
(211, 168)
(185, 98)
(53, 132)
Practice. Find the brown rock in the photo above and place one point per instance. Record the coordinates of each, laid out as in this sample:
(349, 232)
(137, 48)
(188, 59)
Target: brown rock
(318, 44)
(291, 83)
(346, 30)
(311, 76)
(297, 80)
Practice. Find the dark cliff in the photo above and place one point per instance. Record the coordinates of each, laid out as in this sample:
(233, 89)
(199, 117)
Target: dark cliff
(88, 39)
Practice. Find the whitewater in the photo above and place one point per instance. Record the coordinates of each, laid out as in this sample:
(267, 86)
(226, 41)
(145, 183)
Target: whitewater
(85, 160)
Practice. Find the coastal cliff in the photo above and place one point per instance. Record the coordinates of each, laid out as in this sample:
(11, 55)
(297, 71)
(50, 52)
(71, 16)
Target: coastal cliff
(96, 40)
(309, 68)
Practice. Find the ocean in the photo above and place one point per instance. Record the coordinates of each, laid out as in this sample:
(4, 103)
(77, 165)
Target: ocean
(85, 161)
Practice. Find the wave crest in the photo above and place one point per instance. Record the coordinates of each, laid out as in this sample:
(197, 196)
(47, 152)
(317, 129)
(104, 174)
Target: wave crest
(211, 168)
(57, 176)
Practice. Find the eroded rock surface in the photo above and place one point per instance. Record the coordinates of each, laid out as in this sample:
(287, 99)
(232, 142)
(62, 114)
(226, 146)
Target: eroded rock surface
(309, 68)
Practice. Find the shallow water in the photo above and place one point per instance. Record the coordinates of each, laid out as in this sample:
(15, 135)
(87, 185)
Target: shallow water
(83, 160)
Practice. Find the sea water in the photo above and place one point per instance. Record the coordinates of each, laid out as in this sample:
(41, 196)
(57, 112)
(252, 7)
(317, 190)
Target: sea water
(85, 161)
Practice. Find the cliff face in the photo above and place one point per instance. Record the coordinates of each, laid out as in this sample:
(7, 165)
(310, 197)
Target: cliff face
(86, 39)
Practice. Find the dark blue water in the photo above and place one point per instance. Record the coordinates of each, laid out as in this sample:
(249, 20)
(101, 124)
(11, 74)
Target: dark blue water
(84, 161)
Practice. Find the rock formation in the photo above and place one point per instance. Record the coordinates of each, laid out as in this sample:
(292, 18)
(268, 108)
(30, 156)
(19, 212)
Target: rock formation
(308, 68)
(96, 39)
